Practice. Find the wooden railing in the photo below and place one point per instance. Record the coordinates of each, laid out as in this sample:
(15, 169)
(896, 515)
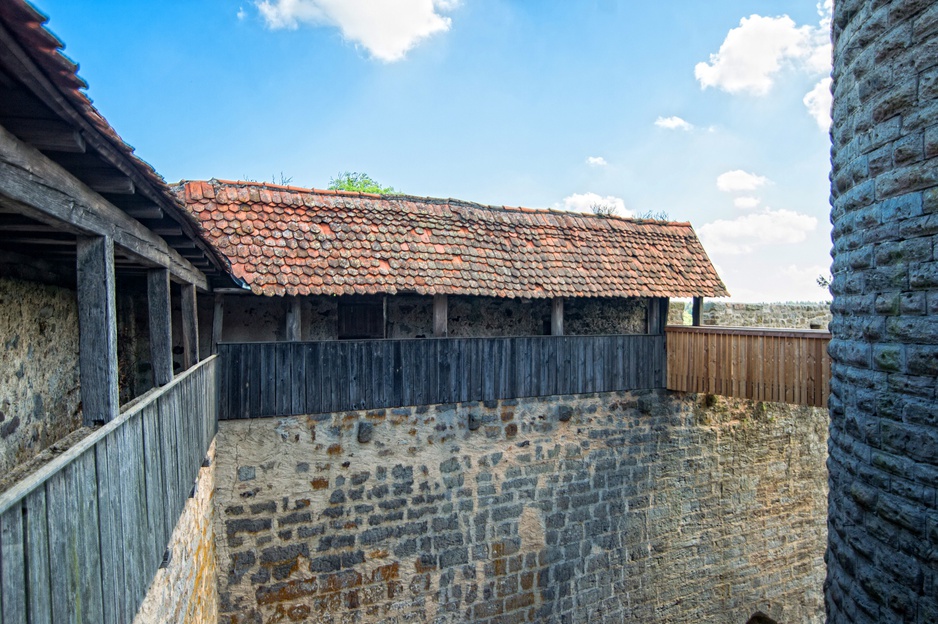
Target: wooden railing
(82, 538)
(282, 378)
(784, 366)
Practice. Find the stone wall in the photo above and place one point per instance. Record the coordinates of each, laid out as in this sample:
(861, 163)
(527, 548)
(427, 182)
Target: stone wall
(185, 590)
(883, 551)
(787, 315)
(641, 507)
(250, 319)
(39, 387)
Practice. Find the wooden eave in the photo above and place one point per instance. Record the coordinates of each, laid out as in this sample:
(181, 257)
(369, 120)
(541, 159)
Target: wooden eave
(52, 138)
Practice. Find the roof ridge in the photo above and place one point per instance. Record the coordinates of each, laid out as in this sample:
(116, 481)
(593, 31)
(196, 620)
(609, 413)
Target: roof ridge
(439, 200)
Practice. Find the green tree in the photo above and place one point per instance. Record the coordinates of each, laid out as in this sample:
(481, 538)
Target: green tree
(360, 182)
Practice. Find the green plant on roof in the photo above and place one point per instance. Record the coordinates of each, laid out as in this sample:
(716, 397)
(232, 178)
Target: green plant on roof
(360, 182)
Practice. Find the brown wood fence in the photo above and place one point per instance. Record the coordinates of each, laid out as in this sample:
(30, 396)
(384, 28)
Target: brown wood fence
(283, 378)
(784, 366)
(82, 538)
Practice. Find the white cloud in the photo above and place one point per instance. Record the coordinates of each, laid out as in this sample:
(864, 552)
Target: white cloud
(387, 29)
(818, 101)
(596, 161)
(754, 52)
(673, 123)
(241, 13)
(746, 202)
(746, 233)
(739, 180)
(584, 202)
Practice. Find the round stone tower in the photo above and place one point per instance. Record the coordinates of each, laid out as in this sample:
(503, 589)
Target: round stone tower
(883, 516)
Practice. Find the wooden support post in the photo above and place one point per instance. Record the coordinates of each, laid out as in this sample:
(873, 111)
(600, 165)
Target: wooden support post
(218, 321)
(656, 314)
(294, 319)
(696, 311)
(190, 327)
(159, 304)
(97, 330)
(556, 316)
(440, 316)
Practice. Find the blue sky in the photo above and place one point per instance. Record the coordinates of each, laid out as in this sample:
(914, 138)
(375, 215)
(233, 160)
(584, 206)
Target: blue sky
(695, 109)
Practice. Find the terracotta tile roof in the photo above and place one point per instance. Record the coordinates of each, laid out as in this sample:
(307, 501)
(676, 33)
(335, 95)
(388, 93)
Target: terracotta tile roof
(288, 240)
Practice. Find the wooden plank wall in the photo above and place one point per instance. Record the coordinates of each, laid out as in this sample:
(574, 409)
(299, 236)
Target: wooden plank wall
(82, 538)
(280, 379)
(783, 366)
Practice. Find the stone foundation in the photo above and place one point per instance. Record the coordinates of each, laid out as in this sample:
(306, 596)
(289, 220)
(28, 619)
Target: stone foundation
(615, 507)
(185, 591)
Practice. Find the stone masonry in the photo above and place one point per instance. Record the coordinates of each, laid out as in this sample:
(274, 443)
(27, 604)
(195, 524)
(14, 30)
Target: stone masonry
(786, 315)
(39, 390)
(646, 506)
(883, 550)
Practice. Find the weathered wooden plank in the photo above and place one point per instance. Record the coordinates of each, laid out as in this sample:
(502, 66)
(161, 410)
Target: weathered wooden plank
(340, 381)
(356, 379)
(12, 566)
(218, 321)
(133, 511)
(297, 356)
(63, 559)
(92, 599)
(45, 191)
(440, 314)
(97, 327)
(488, 368)
(112, 541)
(556, 316)
(158, 532)
(474, 355)
(326, 372)
(397, 375)
(160, 325)
(312, 378)
(283, 379)
(36, 532)
(294, 319)
(190, 326)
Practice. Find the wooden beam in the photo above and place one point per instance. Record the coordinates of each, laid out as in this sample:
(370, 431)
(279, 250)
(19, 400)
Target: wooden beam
(97, 330)
(40, 189)
(294, 319)
(159, 303)
(21, 65)
(144, 211)
(656, 314)
(556, 316)
(218, 322)
(104, 181)
(47, 135)
(440, 316)
(190, 327)
(696, 311)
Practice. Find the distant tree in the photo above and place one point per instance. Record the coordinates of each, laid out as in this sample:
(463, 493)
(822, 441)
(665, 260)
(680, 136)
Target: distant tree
(360, 182)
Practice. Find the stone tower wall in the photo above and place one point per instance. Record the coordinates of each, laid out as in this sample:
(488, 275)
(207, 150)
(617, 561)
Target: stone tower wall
(883, 510)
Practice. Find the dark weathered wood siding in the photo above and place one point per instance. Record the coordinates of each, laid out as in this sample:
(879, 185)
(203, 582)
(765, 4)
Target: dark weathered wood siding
(279, 379)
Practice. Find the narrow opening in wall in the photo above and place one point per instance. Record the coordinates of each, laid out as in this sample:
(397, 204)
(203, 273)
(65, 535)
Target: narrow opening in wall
(760, 618)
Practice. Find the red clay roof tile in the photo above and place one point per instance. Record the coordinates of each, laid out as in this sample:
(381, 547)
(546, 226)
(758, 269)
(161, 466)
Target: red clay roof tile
(344, 243)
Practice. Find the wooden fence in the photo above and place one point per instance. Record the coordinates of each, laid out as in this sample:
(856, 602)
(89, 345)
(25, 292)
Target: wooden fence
(785, 366)
(283, 378)
(82, 538)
